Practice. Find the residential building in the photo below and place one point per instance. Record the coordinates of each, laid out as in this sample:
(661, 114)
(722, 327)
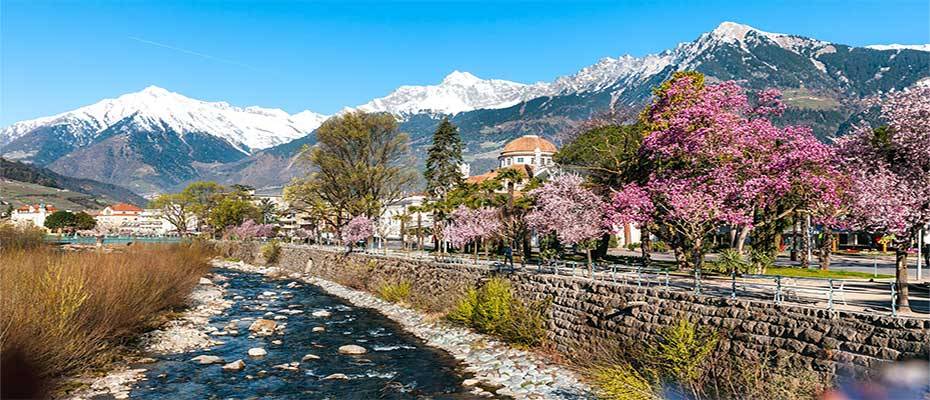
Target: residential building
(531, 155)
(34, 214)
(113, 217)
(389, 224)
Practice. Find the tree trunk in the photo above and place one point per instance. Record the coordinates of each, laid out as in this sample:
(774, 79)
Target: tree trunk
(527, 248)
(900, 255)
(645, 246)
(697, 256)
(741, 239)
(603, 244)
(794, 240)
(806, 242)
(826, 246)
(475, 245)
(590, 264)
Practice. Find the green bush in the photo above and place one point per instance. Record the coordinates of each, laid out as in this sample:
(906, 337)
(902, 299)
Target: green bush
(492, 309)
(660, 246)
(398, 292)
(613, 243)
(681, 351)
(730, 260)
(622, 382)
(271, 251)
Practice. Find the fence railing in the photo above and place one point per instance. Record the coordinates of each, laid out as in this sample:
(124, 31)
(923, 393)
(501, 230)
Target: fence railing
(874, 296)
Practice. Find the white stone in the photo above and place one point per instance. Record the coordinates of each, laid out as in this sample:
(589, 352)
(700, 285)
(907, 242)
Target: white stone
(257, 352)
(310, 357)
(321, 313)
(352, 349)
(205, 281)
(318, 329)
(207, 359)
(336, 376)
(234, 366)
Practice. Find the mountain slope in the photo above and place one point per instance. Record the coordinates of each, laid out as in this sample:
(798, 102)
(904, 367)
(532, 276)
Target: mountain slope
(100, 193)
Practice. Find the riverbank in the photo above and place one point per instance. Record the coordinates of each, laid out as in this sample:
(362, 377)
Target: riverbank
(497, 369)
(189, 331)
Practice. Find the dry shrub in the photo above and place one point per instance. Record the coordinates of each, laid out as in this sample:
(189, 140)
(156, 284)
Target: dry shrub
(271, 251)
(20, 236)
(67, 312)
(355, 274)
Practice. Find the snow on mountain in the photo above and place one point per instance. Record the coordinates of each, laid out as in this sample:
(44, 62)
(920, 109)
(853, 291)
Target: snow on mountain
(895, 46)
(458, 92)
(247, 129)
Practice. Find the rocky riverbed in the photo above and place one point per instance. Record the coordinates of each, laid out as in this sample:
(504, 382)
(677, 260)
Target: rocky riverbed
(190, 331)
(497, 369)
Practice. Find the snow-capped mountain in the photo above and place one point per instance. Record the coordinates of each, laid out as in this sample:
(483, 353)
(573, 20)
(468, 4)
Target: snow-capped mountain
(155, 140)
(895, 46)
(458, 92)
(247, 129)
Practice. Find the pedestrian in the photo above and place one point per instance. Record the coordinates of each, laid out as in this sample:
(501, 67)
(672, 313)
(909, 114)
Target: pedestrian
(508, 256)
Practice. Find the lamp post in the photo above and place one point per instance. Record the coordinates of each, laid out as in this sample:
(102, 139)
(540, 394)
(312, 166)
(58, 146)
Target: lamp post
(920, 248)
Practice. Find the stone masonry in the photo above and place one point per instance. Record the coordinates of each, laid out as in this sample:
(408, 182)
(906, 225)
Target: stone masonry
(586, 315)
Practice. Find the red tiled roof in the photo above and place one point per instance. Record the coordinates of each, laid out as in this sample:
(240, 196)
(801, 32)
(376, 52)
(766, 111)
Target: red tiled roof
(529, 143)
(27, 208)
(125, 207)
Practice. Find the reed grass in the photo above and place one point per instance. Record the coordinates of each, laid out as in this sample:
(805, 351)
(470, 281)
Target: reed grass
(64, 313)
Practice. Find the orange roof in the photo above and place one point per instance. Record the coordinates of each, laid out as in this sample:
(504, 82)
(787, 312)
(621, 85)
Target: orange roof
(125, 207)
(524, 169)
(26, 208)
(529, 143)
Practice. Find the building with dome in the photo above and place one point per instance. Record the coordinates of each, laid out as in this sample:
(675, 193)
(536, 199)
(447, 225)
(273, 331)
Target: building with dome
(531, 155)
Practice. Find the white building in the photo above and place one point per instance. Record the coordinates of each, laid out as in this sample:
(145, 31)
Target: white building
(389, 224)
(530, 155)
(33, 214)
(115, 217)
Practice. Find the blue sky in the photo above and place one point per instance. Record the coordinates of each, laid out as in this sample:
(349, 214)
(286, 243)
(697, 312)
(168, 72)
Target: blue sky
(321, 56)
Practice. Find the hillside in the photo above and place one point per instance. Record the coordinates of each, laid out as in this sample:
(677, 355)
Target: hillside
(24, 181)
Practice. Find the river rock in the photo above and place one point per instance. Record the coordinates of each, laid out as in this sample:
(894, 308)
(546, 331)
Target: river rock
(470, 382)
(310, 357)
(257, 352)
(262, 324)
(336, 376)
(318, 329)
(352, 349)
(321, 314)
(234, 366)
(207, 359)
(205, 281)
(276, 341)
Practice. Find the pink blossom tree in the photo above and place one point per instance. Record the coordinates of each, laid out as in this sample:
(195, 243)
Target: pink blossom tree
(474, 226)
(250, 229)
(890, 169)
(357, 229)
(574, 213)
(714, 158)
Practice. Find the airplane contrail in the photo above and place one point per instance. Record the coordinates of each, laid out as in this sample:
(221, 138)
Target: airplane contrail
(191, 52)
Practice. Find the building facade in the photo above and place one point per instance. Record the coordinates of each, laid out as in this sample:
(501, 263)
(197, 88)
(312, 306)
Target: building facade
(33, 214)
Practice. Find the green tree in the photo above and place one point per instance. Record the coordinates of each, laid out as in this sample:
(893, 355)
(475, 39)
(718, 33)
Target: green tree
(443, 160)
(176, 208)
(63, 220)
(608, 154)
(203, 196)
(83, 221)
(362, 164)
(232, 210)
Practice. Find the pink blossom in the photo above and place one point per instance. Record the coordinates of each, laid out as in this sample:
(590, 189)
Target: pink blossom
(357, 229)
(471, 225)
(563, 206)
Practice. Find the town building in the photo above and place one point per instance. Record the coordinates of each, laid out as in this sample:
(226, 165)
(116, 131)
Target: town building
(530, 155)
(33, 214)
(404, 213)
(116, 216)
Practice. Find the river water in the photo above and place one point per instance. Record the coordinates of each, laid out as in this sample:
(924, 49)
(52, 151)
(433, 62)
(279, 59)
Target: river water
(396, 366)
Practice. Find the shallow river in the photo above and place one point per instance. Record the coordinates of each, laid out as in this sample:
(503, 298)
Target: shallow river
(396, 366)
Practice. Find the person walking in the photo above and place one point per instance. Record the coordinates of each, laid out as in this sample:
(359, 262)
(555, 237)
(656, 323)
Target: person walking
(508, 256)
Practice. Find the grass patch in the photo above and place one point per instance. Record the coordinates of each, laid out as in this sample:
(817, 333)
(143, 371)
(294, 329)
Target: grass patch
(492, 309)
(816, 273)
(66, 313)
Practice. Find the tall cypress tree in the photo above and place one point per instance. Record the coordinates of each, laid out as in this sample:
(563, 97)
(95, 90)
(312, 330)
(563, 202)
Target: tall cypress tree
(443, 159)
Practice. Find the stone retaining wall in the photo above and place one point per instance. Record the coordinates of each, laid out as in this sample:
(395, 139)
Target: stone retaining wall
(586, 315)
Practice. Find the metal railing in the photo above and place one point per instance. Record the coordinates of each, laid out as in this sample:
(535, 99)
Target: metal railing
(874, 296)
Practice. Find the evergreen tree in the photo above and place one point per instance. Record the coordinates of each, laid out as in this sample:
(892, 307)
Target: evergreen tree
(443, 159)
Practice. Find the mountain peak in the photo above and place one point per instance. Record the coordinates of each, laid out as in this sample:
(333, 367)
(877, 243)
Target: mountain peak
(460, 78)
(155, 90)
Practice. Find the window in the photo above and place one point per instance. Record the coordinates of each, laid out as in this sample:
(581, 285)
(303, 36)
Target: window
(520, 160)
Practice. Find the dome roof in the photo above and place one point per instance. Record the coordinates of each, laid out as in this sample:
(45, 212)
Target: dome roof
(529, 143)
